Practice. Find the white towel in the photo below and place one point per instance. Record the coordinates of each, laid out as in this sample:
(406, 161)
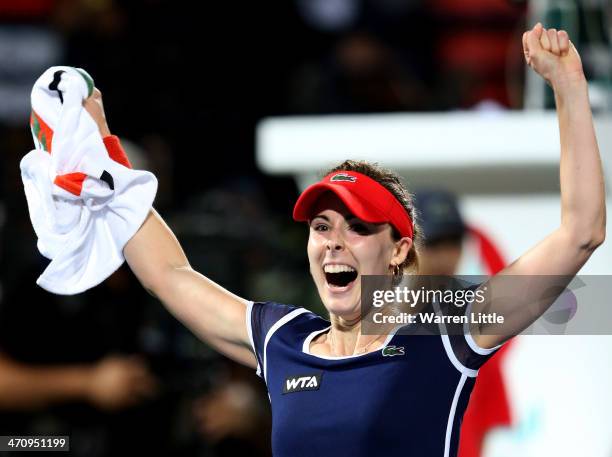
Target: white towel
(84, 206)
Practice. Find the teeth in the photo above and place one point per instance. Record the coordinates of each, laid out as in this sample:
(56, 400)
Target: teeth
(337, 268)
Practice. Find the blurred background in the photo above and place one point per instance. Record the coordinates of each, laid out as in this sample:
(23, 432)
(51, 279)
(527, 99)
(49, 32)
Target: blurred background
(236, 107)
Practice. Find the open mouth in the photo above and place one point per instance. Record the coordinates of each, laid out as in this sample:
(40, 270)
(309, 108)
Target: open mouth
(339, 275)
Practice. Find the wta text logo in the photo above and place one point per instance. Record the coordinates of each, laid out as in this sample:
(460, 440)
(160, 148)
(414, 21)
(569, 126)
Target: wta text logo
(302, 382)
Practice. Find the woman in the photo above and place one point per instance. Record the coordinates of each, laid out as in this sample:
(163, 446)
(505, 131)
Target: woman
(334, 390)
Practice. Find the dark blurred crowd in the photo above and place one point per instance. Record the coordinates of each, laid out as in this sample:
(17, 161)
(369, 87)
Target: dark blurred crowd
(184, 85)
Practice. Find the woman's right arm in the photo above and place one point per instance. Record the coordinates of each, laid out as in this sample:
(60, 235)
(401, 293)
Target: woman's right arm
(156, 257)
(212, 313)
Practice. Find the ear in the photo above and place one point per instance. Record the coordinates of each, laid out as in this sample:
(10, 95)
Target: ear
(401, 250)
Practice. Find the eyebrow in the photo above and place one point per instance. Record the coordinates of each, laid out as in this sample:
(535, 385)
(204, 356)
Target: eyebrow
(320, 217)
(347, 217)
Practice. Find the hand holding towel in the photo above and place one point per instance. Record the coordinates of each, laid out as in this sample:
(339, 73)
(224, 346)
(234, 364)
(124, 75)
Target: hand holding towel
(84, 206)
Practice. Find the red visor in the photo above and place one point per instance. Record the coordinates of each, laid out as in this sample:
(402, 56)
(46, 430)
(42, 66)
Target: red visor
(363, 196)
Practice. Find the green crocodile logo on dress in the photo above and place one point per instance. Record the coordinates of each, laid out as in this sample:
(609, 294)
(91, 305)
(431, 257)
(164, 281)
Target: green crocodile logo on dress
(390, 351)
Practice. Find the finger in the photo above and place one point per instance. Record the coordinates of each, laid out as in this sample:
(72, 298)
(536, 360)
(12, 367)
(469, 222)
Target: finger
(533, 45)
(538, 29)
(564, 46)
(544, 41)
(573, 49)
(554, 41)
(525, 47)
(533, 38)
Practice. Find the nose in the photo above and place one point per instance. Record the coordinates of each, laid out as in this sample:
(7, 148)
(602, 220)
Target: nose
(335, 241)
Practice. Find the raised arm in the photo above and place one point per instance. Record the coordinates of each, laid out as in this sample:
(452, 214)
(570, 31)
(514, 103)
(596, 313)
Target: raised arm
(158, 261)
(583, 212)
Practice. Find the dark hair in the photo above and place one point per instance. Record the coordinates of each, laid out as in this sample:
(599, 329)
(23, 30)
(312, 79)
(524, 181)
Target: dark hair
(393, 183)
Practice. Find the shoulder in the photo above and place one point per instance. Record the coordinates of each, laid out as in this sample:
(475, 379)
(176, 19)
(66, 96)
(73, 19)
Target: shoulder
(265, 320)
(266, 315)
(463, 350)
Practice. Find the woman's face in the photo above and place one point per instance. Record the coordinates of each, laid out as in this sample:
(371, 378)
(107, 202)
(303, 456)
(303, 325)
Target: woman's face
(342, 248)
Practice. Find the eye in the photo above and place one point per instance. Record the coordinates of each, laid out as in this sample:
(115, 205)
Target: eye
(360, 228)
(319, 227)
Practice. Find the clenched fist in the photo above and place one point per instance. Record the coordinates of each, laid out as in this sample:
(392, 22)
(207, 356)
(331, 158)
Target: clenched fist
(552, 55)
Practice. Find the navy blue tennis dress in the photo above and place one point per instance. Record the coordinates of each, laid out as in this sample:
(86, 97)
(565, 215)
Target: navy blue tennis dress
(406, 399)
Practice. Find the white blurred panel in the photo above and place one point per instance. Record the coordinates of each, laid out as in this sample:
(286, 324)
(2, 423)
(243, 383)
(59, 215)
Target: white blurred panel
(561, 399)
(404, 141)
(518, 222)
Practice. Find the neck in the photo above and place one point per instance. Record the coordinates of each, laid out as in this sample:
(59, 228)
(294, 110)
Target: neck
(345, 337)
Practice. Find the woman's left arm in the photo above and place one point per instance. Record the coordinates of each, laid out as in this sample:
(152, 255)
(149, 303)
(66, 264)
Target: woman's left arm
(558, 257)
